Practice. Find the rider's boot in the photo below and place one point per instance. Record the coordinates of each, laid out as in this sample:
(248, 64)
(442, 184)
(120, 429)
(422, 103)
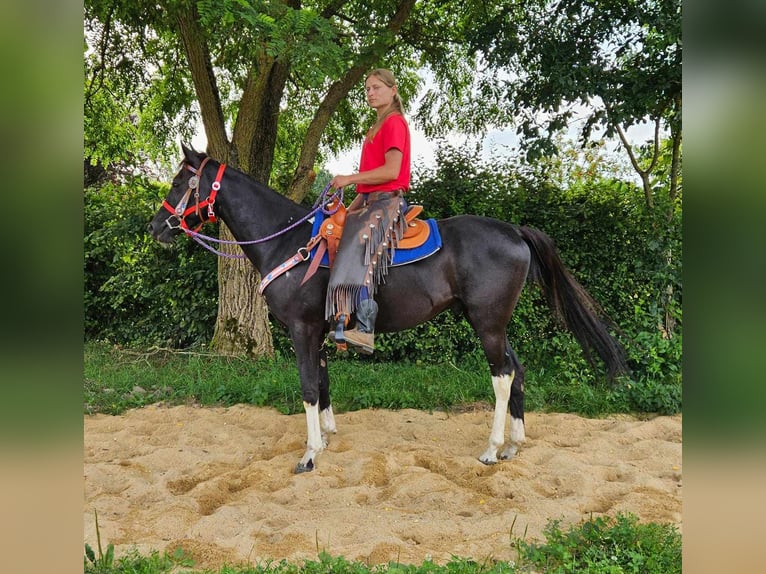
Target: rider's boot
(363, 335)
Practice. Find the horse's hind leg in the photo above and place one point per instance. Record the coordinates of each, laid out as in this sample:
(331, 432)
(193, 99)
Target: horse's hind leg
(508, 384)
(516, 402)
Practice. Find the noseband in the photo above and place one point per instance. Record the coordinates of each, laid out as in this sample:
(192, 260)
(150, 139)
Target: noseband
(181, 211)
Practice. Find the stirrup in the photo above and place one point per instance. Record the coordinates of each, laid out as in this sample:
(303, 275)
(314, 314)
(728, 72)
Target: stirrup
(337, 336)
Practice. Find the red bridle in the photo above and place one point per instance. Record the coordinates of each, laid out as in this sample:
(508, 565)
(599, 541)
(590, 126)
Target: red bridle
(181, 211)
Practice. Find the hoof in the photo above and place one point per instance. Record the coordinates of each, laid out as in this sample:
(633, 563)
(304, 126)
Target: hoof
(487, 462)
(509, 453)
(300, 468)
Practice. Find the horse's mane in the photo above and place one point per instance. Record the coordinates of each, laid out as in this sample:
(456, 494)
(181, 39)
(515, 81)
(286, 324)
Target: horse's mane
(264, 191)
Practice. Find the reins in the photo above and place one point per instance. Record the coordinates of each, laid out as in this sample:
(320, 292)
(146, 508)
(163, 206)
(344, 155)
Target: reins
(181, 211)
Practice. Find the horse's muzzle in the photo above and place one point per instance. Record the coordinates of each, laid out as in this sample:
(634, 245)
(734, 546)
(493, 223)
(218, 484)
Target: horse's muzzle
(161, 233)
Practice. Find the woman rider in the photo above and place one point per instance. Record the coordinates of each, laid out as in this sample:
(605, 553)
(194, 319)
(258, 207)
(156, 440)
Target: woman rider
(375, 220)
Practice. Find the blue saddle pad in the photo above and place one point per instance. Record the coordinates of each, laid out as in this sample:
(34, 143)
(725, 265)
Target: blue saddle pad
(401, 256)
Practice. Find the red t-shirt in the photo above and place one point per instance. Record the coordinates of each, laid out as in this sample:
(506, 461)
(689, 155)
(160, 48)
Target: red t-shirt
(394, 133)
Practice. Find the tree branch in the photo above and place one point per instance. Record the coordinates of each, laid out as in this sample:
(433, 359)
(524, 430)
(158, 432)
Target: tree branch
(332, 9)
(203, 77)
(98, 71)
(675, 163)
(644, 174)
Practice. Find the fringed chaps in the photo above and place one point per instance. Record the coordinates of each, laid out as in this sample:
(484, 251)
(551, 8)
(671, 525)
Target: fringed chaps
(370, 238)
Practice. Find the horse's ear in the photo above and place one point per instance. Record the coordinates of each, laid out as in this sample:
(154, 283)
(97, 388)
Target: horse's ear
(189, 154)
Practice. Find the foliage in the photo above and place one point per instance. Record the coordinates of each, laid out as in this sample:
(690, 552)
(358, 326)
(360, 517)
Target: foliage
(135, 290)
(628, 257)
(605, 65)
(140, 88)
(132, 562)
(620, 62)
(606, 545)
(136, 98)
(104, 561)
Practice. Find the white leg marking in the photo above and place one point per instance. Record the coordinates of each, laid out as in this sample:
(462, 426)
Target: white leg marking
(518, 436)
(502, 387)
(327, 422)
(327, 419)
(517, 430)
(314, 435)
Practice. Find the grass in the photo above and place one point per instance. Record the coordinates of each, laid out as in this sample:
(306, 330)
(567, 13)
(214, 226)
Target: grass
(601, 545)
(606, 545)
(117, 379)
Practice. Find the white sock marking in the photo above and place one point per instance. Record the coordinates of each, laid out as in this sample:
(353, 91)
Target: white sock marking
(327, 420)
(502, 388)
(518, 435)
(314, 443)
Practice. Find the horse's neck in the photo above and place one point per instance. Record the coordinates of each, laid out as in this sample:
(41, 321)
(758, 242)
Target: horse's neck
(252, 211)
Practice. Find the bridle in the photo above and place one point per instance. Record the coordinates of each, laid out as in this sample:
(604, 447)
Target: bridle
(328, 204)
(179, 213)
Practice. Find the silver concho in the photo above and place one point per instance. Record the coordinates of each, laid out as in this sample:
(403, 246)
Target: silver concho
(193, 182)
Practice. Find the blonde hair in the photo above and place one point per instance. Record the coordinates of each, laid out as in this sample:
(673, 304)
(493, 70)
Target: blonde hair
(387, 77)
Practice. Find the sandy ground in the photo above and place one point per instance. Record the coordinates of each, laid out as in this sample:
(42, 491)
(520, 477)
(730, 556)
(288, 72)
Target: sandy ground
(392, 485)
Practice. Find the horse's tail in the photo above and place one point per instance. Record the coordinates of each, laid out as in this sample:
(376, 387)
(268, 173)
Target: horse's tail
(572, 304)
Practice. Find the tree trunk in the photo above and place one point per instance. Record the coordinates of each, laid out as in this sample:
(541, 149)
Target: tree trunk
(205, 85)
(242, 325)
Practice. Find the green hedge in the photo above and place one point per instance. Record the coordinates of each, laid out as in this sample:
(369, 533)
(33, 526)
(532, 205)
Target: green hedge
(628, 257)
(138, 292)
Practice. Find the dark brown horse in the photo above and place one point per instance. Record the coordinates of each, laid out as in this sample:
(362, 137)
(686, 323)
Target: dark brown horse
(480, 271)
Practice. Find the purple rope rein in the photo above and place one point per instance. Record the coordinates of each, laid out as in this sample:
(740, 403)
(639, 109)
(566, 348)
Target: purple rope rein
(319, 204)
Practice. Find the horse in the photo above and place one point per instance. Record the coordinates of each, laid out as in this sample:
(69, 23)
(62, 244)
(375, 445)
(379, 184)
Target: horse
(479, 271)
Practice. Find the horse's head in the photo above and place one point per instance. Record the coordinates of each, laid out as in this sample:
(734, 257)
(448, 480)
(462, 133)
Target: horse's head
(189, 204)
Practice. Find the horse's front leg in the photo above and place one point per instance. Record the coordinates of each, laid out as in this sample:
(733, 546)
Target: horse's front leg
(314, 442)
(307, 343)
(326, 416)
